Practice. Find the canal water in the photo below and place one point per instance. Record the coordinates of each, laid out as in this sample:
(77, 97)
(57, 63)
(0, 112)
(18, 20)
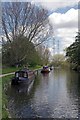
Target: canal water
(53, 95)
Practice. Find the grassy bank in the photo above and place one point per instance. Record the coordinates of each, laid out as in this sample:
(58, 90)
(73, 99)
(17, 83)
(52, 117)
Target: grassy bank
(5, 82)
(9, 69)
(13, 69)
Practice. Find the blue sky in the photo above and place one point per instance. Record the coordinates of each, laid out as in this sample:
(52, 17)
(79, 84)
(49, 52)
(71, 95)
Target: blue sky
(65, 9)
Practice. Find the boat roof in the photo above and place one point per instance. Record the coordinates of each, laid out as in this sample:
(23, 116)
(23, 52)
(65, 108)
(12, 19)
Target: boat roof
(23, 70)
(45, 66)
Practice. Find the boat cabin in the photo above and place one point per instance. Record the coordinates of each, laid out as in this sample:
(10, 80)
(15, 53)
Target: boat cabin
(45, 67)
(24, 73)
(21, 74)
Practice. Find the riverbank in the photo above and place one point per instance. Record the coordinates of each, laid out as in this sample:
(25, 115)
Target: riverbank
(6, 80)
(75, 67)
(6, 70)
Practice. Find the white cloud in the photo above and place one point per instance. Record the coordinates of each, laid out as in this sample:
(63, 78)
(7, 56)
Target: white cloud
(69, 19)
(65, 27)
(66, 32)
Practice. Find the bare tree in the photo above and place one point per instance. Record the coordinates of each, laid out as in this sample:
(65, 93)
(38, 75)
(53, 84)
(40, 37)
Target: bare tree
(25, 19)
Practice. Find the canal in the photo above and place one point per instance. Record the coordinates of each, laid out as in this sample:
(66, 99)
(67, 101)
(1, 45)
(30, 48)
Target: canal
(53, 95)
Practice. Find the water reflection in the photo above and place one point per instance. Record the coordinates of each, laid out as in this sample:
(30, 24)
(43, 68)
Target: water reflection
(79, 95)
(53, 95)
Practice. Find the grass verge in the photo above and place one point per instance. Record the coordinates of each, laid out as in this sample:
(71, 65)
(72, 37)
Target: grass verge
(13, 69)
(10, 69)
(5, 82)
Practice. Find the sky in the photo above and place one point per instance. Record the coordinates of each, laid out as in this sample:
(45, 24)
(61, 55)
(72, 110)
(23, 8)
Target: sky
(63, 15)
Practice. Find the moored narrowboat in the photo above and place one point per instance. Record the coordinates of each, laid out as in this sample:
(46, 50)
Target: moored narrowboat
(45, 69)
(23, 76)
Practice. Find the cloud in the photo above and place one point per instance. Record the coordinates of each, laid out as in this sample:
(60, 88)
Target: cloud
(56, 4)
(69, 19)
(65, 27)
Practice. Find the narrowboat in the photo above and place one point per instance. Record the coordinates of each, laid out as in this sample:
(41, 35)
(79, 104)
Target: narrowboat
(45, 69)
(23, 76)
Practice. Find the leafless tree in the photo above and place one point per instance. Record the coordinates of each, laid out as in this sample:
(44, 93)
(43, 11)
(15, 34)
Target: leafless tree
(25, 19)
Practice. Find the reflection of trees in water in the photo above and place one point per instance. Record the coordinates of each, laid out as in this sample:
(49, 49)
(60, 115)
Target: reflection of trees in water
(73, 89)
(79, 84)
(79, 95)
(72, 84)
(18, 96)
(45, 78)
(59, 73)
(71, 79)
(20, 91)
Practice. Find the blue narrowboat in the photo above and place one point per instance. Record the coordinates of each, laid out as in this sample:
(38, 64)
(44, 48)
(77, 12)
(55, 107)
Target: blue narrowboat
(23, 76)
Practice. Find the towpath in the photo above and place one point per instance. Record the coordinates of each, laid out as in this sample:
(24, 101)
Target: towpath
(3, 75)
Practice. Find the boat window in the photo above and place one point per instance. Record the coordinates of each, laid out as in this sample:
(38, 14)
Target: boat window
(17, 75)
(21, 74)
(25, 75)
